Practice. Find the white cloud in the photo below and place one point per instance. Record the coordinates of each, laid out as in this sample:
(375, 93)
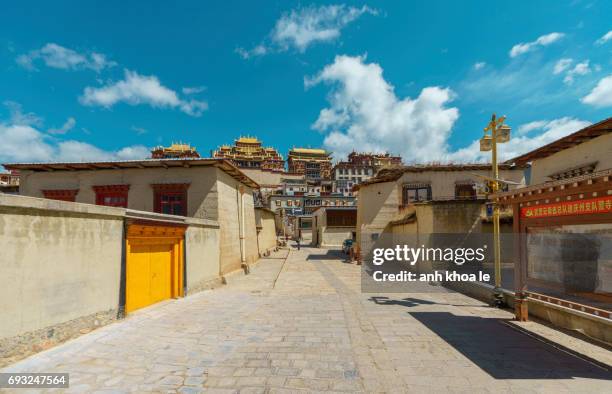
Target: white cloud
(518, 145)
(535, 125)
(562, 65)
(601, 95)
(18, 117)
(605, 38)
(303, 27)
(259, 50)
(366, 114)
(23, 141)
(544, 40)
(139, 130)
(193, 89)
(82, 151)
(57, 56)
(579, 69)
(66, 127)
(136, 89)
(479, 65)
(522, 86)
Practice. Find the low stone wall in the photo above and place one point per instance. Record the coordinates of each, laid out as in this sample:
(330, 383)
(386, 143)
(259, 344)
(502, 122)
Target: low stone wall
(266, 230)
(60, 268)
(595, 327)
(202, 255)
(335, 236)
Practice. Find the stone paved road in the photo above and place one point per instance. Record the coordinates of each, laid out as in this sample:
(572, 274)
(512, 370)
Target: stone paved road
(300, 324)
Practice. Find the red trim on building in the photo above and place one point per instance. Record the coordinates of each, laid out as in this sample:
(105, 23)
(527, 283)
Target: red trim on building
(170, 198)
(112, 195)
(61, 194)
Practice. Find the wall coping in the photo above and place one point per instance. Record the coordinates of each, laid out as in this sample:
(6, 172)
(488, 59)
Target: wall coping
(26, 202)
(44, 204)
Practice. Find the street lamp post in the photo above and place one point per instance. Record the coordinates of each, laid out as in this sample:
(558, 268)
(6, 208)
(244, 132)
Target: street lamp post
(495, 132)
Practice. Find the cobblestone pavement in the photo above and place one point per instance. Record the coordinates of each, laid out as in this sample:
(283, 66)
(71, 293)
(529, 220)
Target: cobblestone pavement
(302, 324)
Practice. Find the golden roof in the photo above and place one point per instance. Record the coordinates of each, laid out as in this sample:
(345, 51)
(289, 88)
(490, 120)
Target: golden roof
(308, 150)
(180, 147)
(248, 140)
(175, 147)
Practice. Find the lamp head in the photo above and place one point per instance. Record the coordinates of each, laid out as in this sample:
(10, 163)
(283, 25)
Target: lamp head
(486, 143)
(503, 133)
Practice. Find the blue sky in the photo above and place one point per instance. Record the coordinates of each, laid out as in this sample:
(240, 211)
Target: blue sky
(108, 80)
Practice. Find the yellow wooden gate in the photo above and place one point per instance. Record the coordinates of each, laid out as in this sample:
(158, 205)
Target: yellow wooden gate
(154, 264)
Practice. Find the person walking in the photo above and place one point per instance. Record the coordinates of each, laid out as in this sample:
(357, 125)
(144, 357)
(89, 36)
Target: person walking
(299, 237)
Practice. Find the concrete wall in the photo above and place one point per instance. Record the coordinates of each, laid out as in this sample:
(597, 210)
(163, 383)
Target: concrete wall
(377, 205)
(212, 194)
(59, 261)
(269, 178)
(236, 215)
(325, 236)
(266, 230)
(60, 268)
(201, 254)
(443, 182)
(449, 216)
(335, 236)
(201, 195)
(596, 150)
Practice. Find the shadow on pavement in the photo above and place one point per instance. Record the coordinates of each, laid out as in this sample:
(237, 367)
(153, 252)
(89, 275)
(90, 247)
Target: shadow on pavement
(331, 254)
(505, 353)
(410, 302)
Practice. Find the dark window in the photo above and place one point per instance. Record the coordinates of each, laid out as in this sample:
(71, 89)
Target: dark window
(172, 203)
(465, 191)
(61, 195)
(112, 195)
(341, 218)
(415, 193)
(171, 199)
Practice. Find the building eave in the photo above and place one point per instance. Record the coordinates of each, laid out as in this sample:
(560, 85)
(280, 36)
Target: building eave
(392, 174)
(223, 164)
(577, 138)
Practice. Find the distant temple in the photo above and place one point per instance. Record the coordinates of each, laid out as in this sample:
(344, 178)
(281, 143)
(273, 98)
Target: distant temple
(377, 160)
(360, 167)
(248, 152)
(313, 163)
(174, 151)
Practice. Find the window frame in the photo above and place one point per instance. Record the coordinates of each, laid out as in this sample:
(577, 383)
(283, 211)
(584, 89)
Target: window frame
(464, 186)
(68, 195)
(103, 191)
(170, 189)
(416, 188)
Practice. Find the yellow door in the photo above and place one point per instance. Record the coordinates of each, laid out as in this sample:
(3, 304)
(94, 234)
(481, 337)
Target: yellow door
(161, 280)
(153, 265)
(138, 278)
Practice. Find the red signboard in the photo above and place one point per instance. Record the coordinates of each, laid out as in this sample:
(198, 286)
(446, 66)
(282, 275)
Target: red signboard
(568, 208)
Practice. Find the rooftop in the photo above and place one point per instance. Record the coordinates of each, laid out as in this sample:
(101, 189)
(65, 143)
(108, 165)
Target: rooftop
(222, 164)
(394, 173)
(176, 147)
(311, 151)
(580, 136)
(248, 140)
